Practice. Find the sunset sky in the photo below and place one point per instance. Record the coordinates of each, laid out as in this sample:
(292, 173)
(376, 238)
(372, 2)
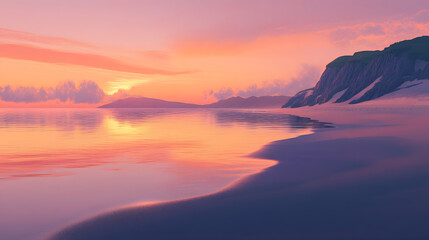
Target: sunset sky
(80, 53)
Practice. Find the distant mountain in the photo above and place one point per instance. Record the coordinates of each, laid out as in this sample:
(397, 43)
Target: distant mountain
(369, 75)
(250, 102)
(234, 102)
(143, 102)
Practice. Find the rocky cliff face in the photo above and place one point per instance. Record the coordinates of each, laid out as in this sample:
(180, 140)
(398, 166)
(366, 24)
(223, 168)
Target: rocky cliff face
(368, 75)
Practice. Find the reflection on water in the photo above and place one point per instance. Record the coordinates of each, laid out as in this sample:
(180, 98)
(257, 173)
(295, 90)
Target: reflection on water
(61, 165)
(264, 119)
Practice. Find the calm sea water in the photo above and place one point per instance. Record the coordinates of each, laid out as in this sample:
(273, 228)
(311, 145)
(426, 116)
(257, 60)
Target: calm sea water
(58, 166)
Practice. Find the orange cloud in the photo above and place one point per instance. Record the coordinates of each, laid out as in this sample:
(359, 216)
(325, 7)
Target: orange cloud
(32, 53)
(198, 47)
(306, 78)
(387, 31)
(8, 34)
(232, 65)
(153, 54)
(383, 33)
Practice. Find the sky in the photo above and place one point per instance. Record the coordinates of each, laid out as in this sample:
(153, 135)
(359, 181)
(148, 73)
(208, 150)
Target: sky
(84, 53)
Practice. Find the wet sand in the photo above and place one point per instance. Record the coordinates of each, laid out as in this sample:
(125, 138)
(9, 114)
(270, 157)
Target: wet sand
(366, 178)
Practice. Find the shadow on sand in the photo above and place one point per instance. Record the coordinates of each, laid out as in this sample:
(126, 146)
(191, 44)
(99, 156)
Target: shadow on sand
(340, 183)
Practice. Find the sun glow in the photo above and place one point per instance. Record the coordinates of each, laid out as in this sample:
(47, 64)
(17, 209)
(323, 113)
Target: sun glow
(124, 84)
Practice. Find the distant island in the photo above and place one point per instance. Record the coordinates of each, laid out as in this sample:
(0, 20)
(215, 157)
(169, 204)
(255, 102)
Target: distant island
(250, 102)
(368, 75)
(402, 68)
(143, 102)
(233, 102)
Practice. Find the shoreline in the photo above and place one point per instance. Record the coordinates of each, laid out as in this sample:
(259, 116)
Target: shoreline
(345, 182)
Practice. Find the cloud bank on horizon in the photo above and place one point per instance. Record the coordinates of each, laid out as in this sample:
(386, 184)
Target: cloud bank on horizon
(307, 77)
(86, 92)
(177, 51)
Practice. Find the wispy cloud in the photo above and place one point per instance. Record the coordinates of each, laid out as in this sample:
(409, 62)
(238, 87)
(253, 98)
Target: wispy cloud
(14, 35)
(307, 77)
(32, 53)
(153, 55)
(422, 16)
(384, 32)
(222, 93)
(392, 30)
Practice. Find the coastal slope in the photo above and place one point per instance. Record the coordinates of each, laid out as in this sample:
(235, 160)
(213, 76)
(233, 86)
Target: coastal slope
(368, 75)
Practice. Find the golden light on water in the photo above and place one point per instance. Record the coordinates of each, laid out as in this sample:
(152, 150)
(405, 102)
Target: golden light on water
(140, 155)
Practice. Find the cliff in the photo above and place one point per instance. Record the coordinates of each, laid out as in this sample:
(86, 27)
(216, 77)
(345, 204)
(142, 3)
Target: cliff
(368, 75)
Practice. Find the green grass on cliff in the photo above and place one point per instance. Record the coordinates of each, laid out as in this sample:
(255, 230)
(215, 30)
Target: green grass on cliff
(364, 57)
(417, 48)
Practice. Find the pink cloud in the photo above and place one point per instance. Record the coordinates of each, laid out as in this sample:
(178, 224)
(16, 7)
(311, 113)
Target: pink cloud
(422, 16)
(343, 36)
(32, 53)
(222, 93)
(372, 29)
(8, 34)
(153, 54)
(199, 46)
(306, 78)
(23, 94)
(86, 92)
(392, 30)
